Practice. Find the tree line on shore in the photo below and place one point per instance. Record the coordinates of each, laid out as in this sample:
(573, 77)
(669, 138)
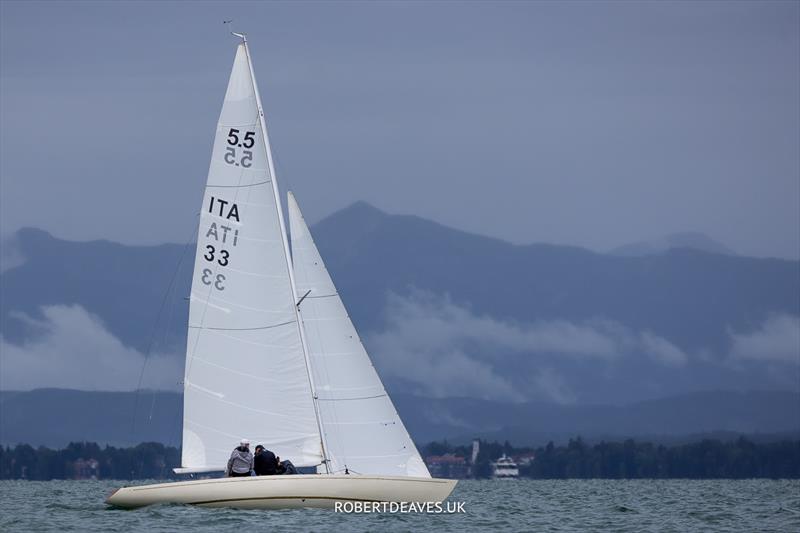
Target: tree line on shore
(87, 460)
(706, 459)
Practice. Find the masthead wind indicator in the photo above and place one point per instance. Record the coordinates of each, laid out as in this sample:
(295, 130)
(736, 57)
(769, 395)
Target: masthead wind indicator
(239, 35)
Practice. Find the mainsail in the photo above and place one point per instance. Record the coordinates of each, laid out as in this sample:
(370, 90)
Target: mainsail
(363, 433)
(246, 374)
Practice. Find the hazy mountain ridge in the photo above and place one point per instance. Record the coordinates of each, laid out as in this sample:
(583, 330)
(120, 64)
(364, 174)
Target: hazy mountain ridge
(62, 416)
(682, 293)
(661, 419)
(679, 317)
(691, 240)
(123, 285)
(397, 251)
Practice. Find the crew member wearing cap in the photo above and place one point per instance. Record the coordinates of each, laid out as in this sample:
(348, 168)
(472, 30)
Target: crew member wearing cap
(241, 462)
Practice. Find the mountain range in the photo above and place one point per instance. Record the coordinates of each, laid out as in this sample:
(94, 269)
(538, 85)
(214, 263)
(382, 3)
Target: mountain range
(444, 314)
(690, 239)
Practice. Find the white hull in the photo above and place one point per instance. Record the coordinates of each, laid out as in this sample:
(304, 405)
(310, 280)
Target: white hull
(276, 492)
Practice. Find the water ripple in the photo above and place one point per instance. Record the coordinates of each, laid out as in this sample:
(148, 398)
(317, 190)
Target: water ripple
(523, 505)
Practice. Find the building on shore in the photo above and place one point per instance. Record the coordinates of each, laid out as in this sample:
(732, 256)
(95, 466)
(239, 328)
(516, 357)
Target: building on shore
(448, 466)
(85, 469)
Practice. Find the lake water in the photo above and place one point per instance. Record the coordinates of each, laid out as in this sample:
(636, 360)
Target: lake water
(521, 505)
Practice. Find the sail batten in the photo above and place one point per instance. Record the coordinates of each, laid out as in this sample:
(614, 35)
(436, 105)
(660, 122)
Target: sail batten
(363, 431)
(246, 374)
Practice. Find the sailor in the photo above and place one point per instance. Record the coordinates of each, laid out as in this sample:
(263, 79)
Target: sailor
(265, 463)
(286, 467)
(241, 462)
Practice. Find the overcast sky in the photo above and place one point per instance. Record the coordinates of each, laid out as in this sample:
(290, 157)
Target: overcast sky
(593, 124)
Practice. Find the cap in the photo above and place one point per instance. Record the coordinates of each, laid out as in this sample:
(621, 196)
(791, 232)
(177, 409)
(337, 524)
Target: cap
(244, 442)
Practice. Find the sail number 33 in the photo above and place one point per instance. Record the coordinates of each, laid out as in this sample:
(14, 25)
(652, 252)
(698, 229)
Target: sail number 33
(208, 276)
(247, 141)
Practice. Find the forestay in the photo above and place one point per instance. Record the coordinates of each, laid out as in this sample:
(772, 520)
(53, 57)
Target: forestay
(363, 432)
(245, 372)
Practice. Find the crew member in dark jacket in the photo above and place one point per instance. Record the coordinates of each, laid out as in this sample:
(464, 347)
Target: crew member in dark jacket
(265, 463)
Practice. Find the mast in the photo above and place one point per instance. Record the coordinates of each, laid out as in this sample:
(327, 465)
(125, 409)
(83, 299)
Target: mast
(285, 239)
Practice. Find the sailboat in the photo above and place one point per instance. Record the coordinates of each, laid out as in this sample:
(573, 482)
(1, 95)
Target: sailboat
(271, 353)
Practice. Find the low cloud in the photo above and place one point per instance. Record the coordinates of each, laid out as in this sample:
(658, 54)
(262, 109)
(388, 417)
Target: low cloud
(661, 350)
(553, 386)
(450, 373)
(74, 350)
(448, 350)
(776, 341)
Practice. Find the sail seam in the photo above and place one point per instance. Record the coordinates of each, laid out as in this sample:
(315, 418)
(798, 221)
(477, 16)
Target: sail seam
(368, 423)
(245, 406)
(223, 127)
(231, 303)
(244, 329)
(335, 354)
(255, 274)
(350, 399)
(231, 370)
(252, 343)
(270, 438)
(239, 186)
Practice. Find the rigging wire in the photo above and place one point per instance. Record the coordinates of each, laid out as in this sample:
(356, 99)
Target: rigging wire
(153, 335)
